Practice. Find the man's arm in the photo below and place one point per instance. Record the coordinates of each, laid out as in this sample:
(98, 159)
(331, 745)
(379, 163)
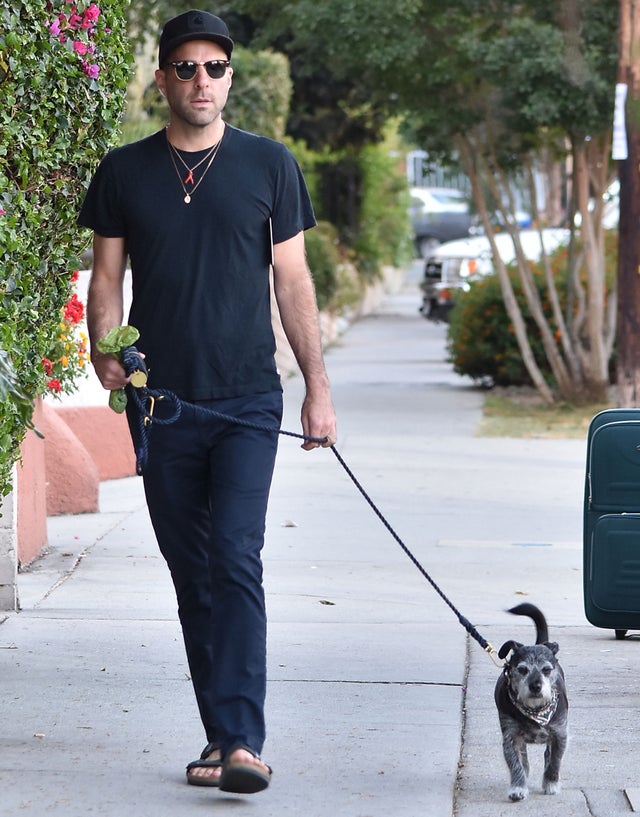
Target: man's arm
(105, 305)
(296, 299)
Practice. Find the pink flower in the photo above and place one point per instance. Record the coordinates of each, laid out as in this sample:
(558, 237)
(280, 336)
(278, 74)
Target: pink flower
(75, 21)
(54, 28)
(80, 48)
(92, 13)
(90, 16)
(2, 212)
(92, 71)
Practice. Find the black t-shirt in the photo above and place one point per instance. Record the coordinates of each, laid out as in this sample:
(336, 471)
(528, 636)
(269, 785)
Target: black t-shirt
(200, 271)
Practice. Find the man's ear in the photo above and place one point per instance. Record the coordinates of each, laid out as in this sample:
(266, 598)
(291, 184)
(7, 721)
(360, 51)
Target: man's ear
(161, 81)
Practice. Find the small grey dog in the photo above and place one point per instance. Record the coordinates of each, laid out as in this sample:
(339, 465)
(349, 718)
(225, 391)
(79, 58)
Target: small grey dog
(532, 706)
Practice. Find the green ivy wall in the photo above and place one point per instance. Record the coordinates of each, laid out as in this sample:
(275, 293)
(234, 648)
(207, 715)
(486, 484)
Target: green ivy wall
(64, 68)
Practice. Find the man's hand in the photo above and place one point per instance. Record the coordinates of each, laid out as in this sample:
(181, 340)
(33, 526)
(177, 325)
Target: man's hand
(109, 370)
(319, 420)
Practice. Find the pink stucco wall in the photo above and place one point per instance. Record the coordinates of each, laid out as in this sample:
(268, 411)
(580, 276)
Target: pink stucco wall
(62, 473)
(32, 495)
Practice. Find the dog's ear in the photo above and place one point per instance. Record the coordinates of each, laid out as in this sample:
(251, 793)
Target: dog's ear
(553, 646)
(506, 648)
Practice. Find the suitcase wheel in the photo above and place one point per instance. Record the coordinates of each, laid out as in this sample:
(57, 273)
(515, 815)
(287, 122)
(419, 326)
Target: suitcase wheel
(620, 634)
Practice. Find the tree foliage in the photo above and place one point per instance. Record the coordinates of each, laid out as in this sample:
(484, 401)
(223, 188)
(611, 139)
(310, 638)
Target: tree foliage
(498, 86)
(63, 72)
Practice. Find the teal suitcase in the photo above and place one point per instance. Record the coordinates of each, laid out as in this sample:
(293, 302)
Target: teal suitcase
(611, 545)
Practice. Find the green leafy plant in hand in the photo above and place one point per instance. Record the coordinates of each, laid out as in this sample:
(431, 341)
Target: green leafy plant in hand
(113, 343)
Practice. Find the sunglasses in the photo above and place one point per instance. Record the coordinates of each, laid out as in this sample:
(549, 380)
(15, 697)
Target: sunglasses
(187, 69)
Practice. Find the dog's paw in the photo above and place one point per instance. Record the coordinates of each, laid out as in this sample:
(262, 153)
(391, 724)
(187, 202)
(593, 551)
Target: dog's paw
(550, 787)
(518, 793)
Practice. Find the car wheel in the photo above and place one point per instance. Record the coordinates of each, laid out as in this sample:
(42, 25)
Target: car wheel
(426, 245)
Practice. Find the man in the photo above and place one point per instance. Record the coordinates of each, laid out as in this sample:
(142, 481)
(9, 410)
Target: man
(203, 210)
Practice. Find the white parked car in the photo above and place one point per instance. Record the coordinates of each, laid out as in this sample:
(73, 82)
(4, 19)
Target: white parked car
(456, 264)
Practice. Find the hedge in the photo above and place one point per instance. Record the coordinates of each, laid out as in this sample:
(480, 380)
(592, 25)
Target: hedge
(481, 339)
(64, 68)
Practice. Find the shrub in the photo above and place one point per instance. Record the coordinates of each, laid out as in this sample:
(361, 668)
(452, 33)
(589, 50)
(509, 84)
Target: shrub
(261, 95)
(481, 340)
(384, 234)
(365, 196)
(323, 257)
(64, 66)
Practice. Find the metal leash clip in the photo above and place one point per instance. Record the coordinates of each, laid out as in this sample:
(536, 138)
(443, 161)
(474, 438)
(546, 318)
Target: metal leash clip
(148, 417)
(493, 655)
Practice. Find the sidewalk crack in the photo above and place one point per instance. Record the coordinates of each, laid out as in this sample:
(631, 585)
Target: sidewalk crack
(590, 811)
(463, 729)
(66, 575)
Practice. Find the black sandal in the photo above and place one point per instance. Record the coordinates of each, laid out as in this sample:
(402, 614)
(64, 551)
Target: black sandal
(204, 763)
(241, 777)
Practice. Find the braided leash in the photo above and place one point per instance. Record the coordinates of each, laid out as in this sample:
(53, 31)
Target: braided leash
(146, 418)
(143, 395)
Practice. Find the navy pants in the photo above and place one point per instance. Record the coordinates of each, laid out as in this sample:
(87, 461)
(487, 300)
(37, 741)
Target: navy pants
(207, 484)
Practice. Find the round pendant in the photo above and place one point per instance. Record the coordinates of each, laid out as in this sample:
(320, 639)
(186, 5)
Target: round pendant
(187, 199)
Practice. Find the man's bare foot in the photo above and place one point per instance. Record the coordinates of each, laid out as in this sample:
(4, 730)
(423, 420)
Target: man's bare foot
(243, 756)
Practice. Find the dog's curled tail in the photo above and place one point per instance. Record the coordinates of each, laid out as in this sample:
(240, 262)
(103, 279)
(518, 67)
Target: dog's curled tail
(530, 610)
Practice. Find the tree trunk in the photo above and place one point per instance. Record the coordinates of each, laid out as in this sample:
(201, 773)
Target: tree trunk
(469, 158)
(593, 349)
(628, 337)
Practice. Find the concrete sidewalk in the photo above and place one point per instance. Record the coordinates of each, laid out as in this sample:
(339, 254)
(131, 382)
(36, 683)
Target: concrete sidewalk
(377, 702)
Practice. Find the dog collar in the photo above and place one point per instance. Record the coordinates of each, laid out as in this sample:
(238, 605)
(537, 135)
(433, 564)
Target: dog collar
(540, 716)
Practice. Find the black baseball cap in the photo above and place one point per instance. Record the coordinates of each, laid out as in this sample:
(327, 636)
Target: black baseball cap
(193, 25)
